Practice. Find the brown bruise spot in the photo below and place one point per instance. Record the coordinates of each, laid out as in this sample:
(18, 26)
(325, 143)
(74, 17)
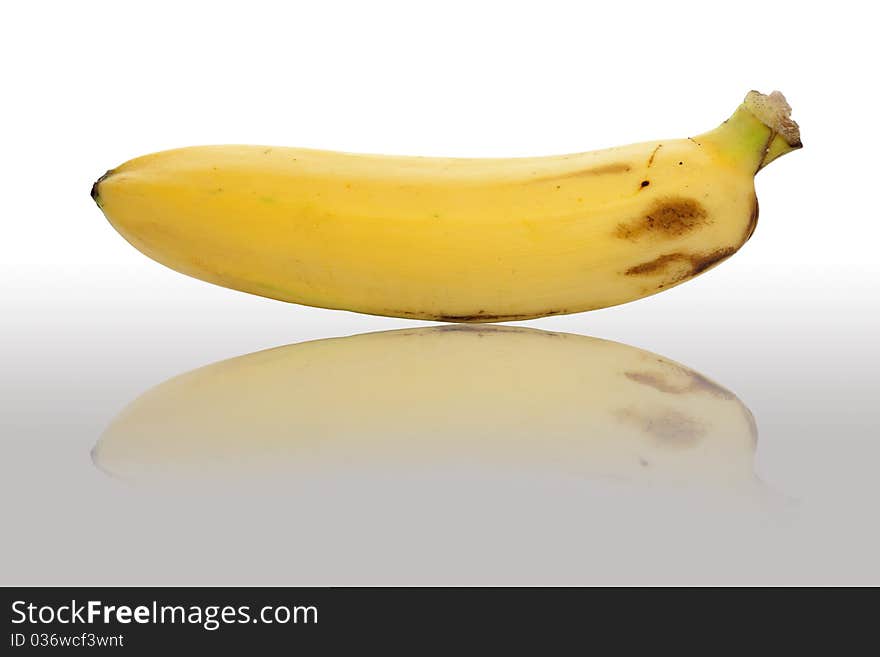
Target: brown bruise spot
(656, 265)
(668, 428)
(617, 167)
(653, 153)
(680, 266)
(704, 262)
(669, 217)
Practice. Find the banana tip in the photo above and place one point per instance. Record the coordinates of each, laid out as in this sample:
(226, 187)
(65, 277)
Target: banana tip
(96, 192)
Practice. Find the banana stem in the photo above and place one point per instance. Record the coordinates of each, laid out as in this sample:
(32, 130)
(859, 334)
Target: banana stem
(760, 130)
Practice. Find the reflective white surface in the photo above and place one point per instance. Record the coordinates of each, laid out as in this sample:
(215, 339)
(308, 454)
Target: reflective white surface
(789, 325)
(383, 507)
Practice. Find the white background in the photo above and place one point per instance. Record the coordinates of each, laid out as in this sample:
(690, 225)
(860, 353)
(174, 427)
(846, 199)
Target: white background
(790, 323)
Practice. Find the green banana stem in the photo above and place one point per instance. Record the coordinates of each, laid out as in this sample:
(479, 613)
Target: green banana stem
(760, 130)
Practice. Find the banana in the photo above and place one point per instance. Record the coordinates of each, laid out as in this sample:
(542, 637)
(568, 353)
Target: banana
(456, 240)
(417, 402)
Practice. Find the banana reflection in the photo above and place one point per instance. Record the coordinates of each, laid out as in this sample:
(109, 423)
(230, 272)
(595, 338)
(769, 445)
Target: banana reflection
(495, 397)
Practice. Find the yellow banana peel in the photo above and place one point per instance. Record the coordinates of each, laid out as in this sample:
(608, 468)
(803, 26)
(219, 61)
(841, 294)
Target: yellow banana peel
(458, 240)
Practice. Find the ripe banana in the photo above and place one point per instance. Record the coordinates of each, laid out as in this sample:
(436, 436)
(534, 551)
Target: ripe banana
(532, 402)
(458, 240)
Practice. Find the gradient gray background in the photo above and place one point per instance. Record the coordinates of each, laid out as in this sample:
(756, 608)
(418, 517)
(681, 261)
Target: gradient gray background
(790, 323)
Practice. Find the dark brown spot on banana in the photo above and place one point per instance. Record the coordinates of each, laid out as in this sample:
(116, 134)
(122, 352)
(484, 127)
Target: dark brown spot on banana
(680, 266)
(653, 153)
(668, 428)
(656, 265)
(704, 262)
(669, 217)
